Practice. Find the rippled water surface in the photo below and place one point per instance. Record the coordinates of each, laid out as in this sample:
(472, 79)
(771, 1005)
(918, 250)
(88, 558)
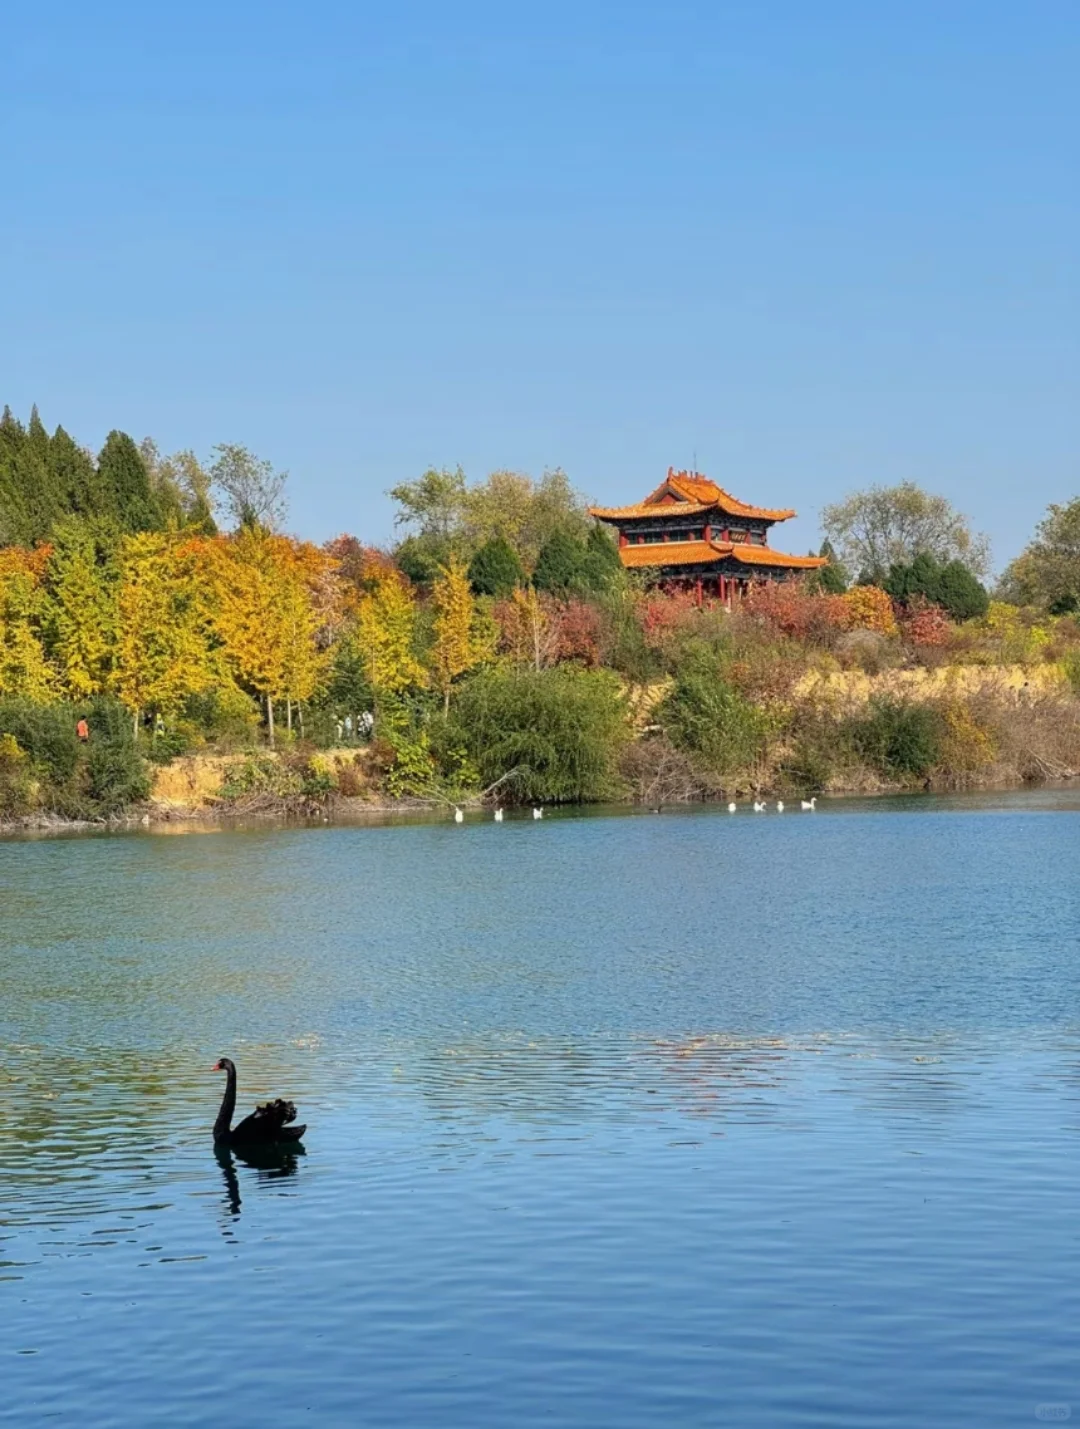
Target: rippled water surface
(614, 1120)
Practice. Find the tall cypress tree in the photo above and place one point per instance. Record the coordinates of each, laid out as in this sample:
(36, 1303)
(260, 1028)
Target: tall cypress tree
(14, 514)
(73, 476)
(35, 480)
(125, 485)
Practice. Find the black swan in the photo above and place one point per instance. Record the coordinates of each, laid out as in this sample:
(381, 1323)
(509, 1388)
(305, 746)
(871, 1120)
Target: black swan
(266, 1125)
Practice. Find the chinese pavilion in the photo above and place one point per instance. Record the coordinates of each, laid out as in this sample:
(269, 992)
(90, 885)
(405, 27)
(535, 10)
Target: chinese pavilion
(689, 531)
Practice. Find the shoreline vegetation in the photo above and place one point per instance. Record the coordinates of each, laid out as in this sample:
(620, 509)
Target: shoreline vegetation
(167, 653)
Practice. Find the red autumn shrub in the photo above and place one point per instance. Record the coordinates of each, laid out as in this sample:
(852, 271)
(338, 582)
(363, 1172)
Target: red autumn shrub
(797, 612)
(578, 632)
(664, 615)
(925, 624)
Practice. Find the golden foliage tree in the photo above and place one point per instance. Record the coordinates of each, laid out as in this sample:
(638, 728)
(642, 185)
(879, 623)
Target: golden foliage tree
(267, 616)
(24, 669)
(386, 635)
(460, 642)
(82, 612)
(162, 650)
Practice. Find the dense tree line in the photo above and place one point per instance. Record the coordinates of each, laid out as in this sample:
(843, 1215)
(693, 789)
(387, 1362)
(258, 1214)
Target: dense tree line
(499, 641)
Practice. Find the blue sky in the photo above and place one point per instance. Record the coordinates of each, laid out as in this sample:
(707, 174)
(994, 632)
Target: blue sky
(811, 246)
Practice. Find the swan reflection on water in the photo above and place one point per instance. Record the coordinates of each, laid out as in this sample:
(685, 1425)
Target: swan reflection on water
(269, 1164)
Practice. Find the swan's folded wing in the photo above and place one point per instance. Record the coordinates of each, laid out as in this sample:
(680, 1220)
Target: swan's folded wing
(266, 1120)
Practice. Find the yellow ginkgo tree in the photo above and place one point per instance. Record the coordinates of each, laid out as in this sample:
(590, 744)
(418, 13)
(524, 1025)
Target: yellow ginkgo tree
(24, 668)
(163, 651)
(386, 637)
(460, 644)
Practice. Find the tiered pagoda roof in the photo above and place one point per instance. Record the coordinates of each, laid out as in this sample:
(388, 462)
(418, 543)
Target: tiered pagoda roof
(728, 533)
(692, 492)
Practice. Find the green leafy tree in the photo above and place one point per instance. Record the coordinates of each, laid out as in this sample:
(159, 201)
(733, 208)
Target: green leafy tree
(496, 569)
(252, 491)
(524, 512)
(1047, 573)
(891, 525)
(433, 506)
(183, 488)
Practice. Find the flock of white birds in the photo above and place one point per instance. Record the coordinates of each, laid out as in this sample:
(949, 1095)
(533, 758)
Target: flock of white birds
(759, 807)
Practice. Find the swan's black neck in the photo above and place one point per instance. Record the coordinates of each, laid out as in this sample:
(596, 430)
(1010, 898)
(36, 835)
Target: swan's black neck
(228, 1103)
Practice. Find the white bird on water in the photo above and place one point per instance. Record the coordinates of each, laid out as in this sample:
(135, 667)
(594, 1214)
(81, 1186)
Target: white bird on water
(498, 816)
(731, 808)
(538, 813)
(779, 806)
(759, 808)
(810, 804)
(459, 817)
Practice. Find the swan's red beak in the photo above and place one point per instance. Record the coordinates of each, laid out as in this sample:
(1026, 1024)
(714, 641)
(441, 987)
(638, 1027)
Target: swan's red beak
(216, 1067)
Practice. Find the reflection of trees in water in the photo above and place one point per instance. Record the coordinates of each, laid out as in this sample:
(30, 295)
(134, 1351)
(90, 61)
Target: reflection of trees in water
(602, 1079)
(722, 1076)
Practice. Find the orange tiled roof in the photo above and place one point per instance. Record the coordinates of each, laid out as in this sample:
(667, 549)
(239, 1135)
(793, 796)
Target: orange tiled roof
(644, 508)
(766, 556)
(669, 553)
(693, 553)
(696, 493)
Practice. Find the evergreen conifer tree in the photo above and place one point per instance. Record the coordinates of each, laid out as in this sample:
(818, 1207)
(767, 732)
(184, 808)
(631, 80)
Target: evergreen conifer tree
(14, 513)
(601, 564)
(125, 485)
(496, 569)
(560, 564)
(74, 478)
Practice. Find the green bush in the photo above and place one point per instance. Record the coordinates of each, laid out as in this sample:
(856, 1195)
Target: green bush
(224, 715)
(705, 715)
(46, 734)
(115, 776)
(16, 785)
(900, 740)
(75, 780)
(559, 731)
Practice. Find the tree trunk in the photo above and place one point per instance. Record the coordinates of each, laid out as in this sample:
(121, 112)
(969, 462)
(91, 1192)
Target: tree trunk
(135, 725)
(288, 714)
(300, 717)
(270, 719)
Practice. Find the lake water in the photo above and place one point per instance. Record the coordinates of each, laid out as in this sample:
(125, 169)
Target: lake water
(614, 1120)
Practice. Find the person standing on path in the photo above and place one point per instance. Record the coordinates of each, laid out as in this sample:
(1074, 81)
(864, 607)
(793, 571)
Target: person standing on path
(82, 729)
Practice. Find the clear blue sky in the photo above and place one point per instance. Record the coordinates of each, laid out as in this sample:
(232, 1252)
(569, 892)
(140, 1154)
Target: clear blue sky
(815, 245)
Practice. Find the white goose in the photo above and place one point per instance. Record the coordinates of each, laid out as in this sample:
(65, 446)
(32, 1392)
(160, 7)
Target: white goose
(810, 804)
(732, 807)
(459, 817)
(498, 816)
(538, 813)
(779, 806)
(759, 808)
